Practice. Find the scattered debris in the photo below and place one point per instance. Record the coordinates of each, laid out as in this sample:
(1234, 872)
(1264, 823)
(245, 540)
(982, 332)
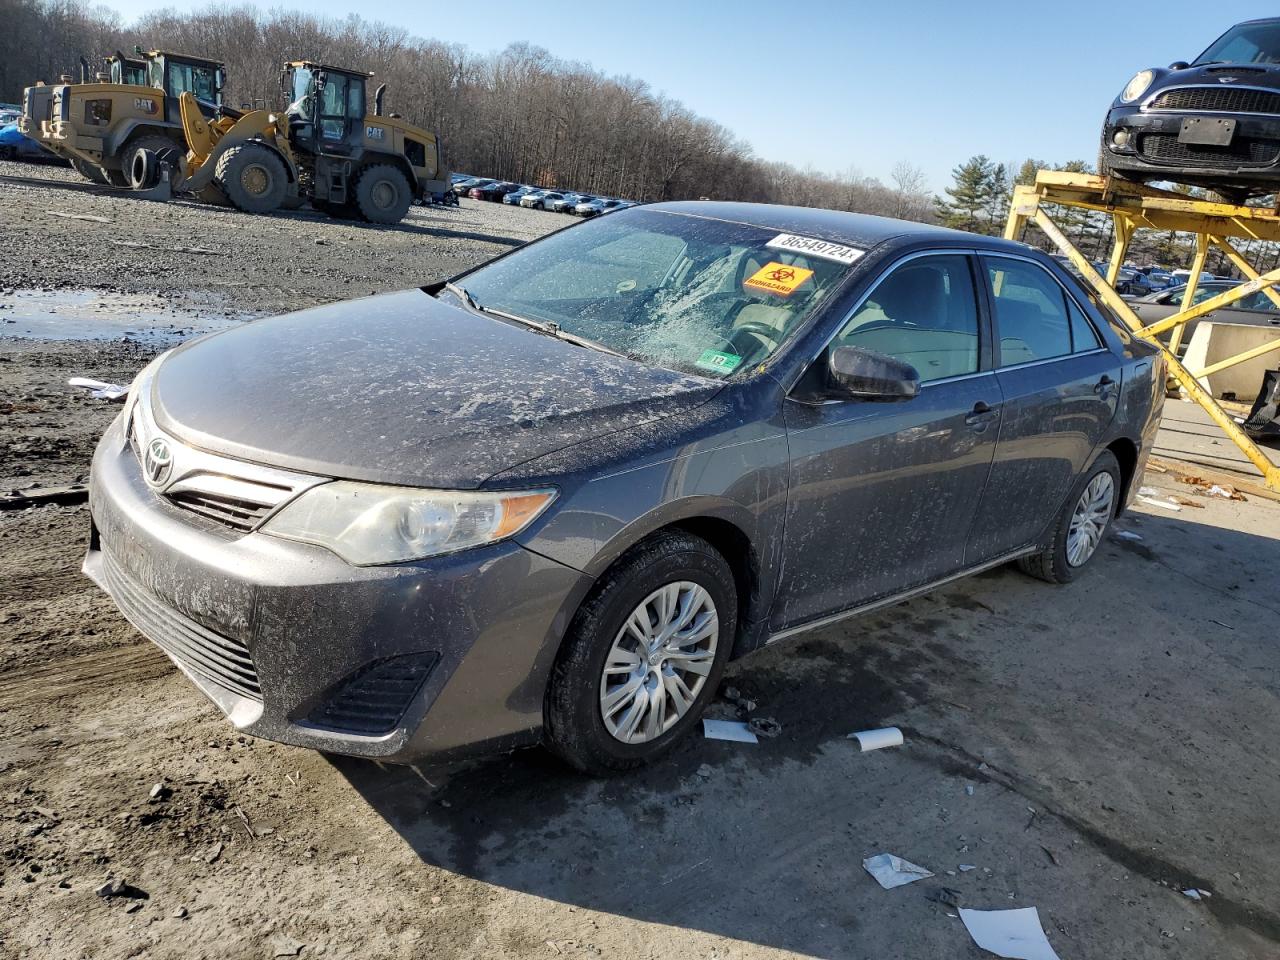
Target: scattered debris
(1221, 624)
(1051, 855)
(117, 887)
(1167, 505)
(77, 216)
(1212, 488)
(704, 771)
(891, 871)
(100, 389)
(159, 793)
(968, 789)
(1185, 501)
(214, 853)
(283, 945)
(1225, 491)
(727, 730)
(1015, 934)
(742, 704)
(764, 727)
(244, 819)
(180, 913)
(1126, 535)
(966, 867)
(63, 496)
(1148, 492)
(877, 739)
(1195, 894)
(946, 896)
(134, 244)
(133, 907)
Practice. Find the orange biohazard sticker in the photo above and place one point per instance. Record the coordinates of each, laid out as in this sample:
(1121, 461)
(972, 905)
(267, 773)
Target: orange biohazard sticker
(777, 278)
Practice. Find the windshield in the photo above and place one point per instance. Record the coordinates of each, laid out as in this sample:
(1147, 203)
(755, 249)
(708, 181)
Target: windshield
(687, 293)
(200, 80)
(1245, 43)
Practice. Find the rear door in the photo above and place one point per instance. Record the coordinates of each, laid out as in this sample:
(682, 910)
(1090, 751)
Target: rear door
(1060, 385)
(882, 495)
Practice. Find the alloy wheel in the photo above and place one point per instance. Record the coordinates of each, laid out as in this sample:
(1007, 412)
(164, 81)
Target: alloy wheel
(659, 662)
(1089, 522)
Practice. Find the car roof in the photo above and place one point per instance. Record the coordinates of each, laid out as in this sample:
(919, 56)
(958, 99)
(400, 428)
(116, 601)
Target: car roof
(854, 229)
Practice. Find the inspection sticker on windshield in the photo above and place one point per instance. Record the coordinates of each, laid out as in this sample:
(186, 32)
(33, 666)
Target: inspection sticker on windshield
(718, 362)
(778, 278)
(810, 247)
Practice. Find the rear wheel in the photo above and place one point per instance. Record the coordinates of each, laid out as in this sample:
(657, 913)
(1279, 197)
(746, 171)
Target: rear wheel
(643, 655)
(89, 171)
(1080, 525)
(382, 194)
(135, 164)
(252, 177)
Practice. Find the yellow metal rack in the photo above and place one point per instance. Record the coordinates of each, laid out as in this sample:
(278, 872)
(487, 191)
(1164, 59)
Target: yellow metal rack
(1133, 207)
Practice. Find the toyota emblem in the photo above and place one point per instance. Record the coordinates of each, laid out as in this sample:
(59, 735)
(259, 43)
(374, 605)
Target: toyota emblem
(158, 463)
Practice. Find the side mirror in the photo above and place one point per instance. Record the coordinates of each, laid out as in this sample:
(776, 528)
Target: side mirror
(857, 374)
(1179, 65)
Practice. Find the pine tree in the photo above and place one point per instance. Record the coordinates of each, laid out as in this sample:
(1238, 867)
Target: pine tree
(970, 195)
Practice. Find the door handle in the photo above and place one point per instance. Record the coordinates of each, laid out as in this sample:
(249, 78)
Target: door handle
(1105, 387)
(981, 415)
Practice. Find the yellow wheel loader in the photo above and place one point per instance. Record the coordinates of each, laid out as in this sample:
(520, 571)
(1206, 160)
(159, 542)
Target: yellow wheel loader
(325, 148)
(102, 126)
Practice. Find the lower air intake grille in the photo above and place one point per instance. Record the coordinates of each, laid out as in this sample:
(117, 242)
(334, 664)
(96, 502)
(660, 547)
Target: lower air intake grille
(216, 658)
(373, 700)
(1246, 151)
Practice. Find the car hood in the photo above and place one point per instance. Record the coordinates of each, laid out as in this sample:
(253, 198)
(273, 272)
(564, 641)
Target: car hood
(403, 388)
(1216, 74)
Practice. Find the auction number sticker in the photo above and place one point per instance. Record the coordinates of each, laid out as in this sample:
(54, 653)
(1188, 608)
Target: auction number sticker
(717, 362)
(812, 247)
(778, 278)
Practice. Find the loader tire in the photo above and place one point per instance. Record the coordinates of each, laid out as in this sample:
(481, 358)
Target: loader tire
(382, 194)
(87, 170)
(133, 163)
(252, 177)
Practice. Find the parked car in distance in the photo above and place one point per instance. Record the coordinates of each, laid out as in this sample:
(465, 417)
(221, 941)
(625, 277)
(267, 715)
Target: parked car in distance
(570, 200)
(552, 498)
(15, 145)
(593, 208)
(1210, 123)
(1131, 283)
(1254, 309)
(516, 195)
(493, 192)
(464, 188)
(541, 199)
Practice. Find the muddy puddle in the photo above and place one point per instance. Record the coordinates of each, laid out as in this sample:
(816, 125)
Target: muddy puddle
(102, 315)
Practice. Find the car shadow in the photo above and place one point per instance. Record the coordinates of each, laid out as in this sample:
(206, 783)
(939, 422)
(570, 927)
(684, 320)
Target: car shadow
(764, 843)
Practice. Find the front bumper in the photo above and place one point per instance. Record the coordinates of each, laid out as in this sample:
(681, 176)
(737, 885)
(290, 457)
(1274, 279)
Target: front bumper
(1153, 149)
(295, 645)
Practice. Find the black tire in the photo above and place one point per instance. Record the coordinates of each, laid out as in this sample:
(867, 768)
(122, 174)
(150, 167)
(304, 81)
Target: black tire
(90, 172)
(1050, 563)
(253, 177)
(144, 172)
(132, 162)
(574, 728)
(382, 194)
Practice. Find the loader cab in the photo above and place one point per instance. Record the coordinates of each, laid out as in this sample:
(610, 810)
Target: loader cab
(127, 70)
(176, 74)
(326, 106)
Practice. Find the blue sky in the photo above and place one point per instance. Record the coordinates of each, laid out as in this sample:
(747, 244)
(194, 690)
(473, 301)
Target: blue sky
(841, 85)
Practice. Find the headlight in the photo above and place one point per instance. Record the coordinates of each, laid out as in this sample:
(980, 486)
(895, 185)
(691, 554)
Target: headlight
(367, 523)
(1137, 86)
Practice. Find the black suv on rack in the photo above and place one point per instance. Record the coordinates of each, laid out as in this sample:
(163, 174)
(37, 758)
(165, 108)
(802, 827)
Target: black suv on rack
(1214, 122)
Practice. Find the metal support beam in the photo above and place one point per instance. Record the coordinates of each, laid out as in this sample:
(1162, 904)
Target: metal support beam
(1193, 282)
(1137, 206)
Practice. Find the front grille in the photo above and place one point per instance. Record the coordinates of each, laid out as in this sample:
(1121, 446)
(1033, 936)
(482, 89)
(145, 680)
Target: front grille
(1221, 99)
(232, 511)
(373, 700)
(1245, 151)
(218, 659)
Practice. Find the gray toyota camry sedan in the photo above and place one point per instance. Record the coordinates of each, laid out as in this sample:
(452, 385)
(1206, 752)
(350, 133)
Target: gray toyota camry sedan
(550, 499)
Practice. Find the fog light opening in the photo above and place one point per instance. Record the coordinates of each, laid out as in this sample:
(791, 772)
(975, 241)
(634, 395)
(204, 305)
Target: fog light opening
(1120, 138)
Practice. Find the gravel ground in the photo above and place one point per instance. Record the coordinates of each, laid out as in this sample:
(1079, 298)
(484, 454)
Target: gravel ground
(1090, 750)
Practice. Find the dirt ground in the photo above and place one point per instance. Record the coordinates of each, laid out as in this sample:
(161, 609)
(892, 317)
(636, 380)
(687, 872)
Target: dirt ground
(1091, 750)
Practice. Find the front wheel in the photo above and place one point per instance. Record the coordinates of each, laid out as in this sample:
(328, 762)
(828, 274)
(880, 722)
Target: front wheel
(643, 655)
(1080, 525)
(253, 177)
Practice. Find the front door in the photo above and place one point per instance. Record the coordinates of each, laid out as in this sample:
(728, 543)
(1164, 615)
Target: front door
(1060, 386)
(882, 495)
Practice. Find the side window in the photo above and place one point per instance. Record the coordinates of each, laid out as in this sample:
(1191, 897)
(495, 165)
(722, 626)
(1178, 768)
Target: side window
(1083, 336)
(1030, 312)
(1204, 293)
(924, 313)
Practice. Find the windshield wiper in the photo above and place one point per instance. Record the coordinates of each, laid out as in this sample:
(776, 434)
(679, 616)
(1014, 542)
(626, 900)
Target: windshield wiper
(464, 295)
(552, 329)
